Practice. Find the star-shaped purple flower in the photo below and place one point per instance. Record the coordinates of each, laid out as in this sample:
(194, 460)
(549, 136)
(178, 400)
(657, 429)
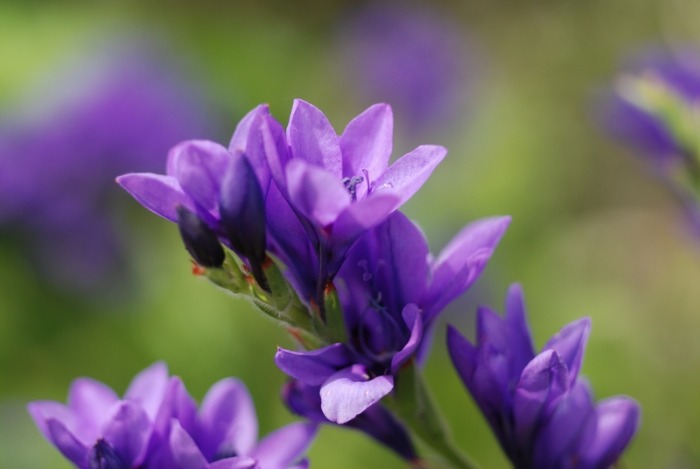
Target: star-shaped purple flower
(391, 292)
(542, 413)
(97, 429)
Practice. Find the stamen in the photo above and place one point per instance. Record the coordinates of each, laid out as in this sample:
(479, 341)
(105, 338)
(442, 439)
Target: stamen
(351, 185)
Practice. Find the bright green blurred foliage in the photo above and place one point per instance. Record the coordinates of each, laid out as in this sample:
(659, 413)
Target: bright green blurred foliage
(592, 233)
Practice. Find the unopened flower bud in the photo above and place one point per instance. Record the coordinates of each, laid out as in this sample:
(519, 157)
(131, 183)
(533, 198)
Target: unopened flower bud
(200, 241)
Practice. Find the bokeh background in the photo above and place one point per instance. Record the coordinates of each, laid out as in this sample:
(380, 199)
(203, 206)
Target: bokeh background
(93, 285)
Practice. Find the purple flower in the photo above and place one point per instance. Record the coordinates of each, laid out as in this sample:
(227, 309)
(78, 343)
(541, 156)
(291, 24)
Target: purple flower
(413, 58)
(120, 110)
(223, 433)
(543, 415)
(391, 292)
(157, 425)
(97, 429)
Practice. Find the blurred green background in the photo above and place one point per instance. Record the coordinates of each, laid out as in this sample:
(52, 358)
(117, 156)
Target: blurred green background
(593, 232)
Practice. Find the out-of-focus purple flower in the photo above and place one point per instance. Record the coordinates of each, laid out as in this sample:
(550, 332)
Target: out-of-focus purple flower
(631, 121)
(157, 425)
(413, 58)
(376, 421)
(119, 110)
(97, 429)
(223, 433)
(391, 291)
(542, 413)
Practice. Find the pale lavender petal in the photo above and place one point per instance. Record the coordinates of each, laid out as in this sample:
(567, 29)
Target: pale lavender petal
(148, 388)
(313, 367)
(285, 446)
(128, 432)
(542, 380)
(239, 140)
(349, 392)
(412, 317)
(43, 411)
(409, 172)
(570, 344)
(227, 417)
(238, 462)
(91, 400)
(362, 215)
(159, 194)
(366, 144)
(315, 192)
(199, 170)
(184, 450)
(616, 423)
(178, 404)
(313, 139)
(67, 443)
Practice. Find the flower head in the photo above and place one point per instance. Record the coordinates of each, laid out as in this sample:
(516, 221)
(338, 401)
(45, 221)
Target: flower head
(391, 292)
(541, 411)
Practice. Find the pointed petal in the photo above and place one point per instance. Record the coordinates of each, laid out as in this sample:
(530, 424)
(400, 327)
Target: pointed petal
(184, 450)
(276, 149)
(239, 140)
(43, 411)
(570, 343)
(316, 193)
(283, 447)
(366, 143)
(148, 388)
(543, 380)
(227, 417)
(314, 367)
(91, 400)
(313, 139)
(381, 425)
(521, 341)
(461, 262)
(463, 355)
(128, 432)
(237, 462)
(159, 194)
(350, 392)
(67, 443)
(617, 420)
(200, 166)
(409, 172)
(412, 317)
(362, 215)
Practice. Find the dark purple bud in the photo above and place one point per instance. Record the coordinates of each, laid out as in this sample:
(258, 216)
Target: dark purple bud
(103, 456)
(200, 241)
(242, 210)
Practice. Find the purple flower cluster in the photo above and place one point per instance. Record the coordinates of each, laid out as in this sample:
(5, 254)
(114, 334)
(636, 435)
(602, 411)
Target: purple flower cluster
(156, 425)
(57, 162)
(541, 411)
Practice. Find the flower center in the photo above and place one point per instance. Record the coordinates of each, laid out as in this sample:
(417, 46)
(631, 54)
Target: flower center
(351, 185)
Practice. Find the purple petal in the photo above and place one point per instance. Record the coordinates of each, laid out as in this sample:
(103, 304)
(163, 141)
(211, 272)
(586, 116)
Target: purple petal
(239, 140)
(91, 401)
(67, 443)
(43, 411)
(128, 432)
(148, 388)
(177, 404)
(366, 144)
(313, 139)
(315, 192)
(283, 447)
(275, 148)
(543, 380)
(362, 215)
(184, 450)
(461, 262)
(199, 168)
(409, 172)
(159, 194)
(412, 317)
(314, 367)
(570, 343)
(516, 320)
(349, 392)
(463, 354)
(616, 423)
(237, 462)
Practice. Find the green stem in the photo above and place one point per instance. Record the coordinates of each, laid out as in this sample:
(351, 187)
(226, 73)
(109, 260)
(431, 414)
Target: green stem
(413, 404)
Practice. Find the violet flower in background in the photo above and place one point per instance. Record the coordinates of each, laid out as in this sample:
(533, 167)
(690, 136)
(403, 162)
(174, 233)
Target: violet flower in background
(653, 108)
(118, 110)
(411, 57)
(157, 425)
(542, 413)
(391, 292)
